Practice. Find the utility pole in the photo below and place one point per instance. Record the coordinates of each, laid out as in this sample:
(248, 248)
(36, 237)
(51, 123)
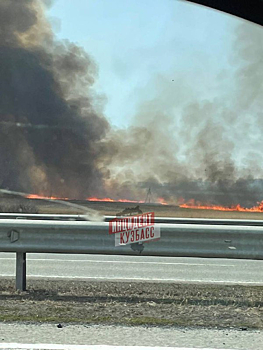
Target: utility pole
(148, 198)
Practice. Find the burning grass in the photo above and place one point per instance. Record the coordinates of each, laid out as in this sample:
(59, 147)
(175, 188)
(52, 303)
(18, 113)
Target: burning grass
(108, 206)
(192, 204)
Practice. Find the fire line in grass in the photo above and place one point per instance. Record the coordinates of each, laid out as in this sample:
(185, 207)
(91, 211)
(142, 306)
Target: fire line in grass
(192, 204)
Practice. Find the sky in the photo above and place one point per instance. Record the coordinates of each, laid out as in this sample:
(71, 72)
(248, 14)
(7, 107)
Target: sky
(136, 44)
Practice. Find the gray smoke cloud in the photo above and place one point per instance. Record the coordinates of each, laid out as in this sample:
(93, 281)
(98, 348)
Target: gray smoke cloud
(48, 125)
(206, 149)
(54, 139)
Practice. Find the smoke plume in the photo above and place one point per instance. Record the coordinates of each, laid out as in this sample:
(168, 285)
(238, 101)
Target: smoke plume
(48, 126)
(209, 149)
(55, 141)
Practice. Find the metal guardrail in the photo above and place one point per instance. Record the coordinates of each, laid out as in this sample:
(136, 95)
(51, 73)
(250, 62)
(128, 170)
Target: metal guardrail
(61, 217)
(200, 221)
(161, 220)
(188, 240)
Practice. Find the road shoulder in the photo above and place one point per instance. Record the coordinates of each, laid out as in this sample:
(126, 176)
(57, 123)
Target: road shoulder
(128, 303)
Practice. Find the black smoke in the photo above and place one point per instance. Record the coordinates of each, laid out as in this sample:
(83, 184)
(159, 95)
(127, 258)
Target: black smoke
(48, 125)
(55, 141)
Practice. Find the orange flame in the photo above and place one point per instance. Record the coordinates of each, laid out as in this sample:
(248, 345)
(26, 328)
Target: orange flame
(36, 196)
(162, 201)
(95, 199)
(192, 204)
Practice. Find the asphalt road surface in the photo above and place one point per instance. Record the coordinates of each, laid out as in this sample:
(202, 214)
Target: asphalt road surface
(136, 268)
(129, 336)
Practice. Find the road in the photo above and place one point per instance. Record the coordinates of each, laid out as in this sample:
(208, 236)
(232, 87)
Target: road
(133, 268)
(136, 268)
(128, 336)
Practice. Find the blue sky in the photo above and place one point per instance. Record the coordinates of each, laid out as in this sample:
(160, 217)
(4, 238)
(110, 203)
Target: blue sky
(136, 44)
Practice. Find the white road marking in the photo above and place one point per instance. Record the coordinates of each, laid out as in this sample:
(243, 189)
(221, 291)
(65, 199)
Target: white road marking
(120, 262)
(91, 347)
(138, 279)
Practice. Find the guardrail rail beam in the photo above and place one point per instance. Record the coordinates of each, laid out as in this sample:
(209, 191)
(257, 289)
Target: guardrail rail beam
(83, 237)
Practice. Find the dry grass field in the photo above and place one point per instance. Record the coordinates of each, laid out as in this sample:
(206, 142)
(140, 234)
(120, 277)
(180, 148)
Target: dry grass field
(133, 303)
(112, 208)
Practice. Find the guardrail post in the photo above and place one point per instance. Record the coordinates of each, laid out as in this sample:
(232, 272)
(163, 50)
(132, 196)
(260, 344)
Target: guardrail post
(21, 271)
